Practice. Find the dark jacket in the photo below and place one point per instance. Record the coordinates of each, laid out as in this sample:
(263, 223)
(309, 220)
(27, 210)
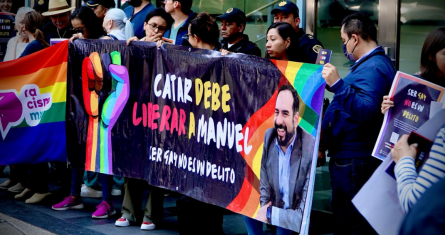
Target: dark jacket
(243, 46)
(300, 168)
(352, 121)
(309, 46)
(50, 31)
(182, 31)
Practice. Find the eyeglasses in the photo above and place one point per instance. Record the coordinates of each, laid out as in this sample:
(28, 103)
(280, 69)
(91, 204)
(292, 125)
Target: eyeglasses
(154, 27)
(78, 30)
(187, 36)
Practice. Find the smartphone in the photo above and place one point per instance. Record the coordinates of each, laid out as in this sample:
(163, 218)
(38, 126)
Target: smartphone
(423, 148)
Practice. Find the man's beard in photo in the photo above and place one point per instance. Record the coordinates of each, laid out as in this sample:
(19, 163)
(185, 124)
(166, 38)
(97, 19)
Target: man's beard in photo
(135, 3)
(287, 137)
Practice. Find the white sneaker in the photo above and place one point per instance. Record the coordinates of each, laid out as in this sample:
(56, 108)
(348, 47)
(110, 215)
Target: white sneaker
(5, 185)
(122, 222)
(18, 188)
(116, 192)
(89, 192)
(148, 226)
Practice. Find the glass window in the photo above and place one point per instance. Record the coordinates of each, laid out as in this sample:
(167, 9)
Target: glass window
(257, 21)
(417, 19)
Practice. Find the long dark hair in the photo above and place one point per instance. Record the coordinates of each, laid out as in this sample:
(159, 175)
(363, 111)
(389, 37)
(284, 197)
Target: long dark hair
(434, 42)
(206, 28)
(34, 24)
(285, 30)
(93, 25)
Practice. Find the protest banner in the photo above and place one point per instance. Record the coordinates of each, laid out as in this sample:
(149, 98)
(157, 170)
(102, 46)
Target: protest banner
(192, 121)
(32, 107)
(7, 31)
(413, 98)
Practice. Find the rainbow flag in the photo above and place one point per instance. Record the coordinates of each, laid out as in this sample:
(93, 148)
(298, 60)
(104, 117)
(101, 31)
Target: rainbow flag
(32, 107)
(307, 80)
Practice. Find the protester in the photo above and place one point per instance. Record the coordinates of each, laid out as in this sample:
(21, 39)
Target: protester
(287, 11)
(428, 215)
(60, 26)
(117, 26)
(203, 32)
(101, 7)
(182, 15)
(352, 121)
(233, 24)
(279, 43)
(432, 62)
(410, 185)
(5, 5)
(17, 44)
(155, 25)
(154, 209)
(136, 13)
(86, 24)
(37, 180)
(33, 22)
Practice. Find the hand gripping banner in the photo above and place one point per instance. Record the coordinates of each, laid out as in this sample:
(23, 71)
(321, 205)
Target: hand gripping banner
(192, 121)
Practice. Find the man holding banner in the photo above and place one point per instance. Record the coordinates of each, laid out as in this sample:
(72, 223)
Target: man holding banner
(285, 165)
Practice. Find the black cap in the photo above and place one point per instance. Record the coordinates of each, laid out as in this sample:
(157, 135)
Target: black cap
(233, 15)
(41, 5)
(286, 7)
(104, 3)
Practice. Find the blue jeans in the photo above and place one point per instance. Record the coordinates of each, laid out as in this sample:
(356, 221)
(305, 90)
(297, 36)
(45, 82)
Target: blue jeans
(348, 175)
(255, 227)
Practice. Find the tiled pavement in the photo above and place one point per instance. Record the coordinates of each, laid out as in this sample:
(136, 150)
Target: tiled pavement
(17, 217)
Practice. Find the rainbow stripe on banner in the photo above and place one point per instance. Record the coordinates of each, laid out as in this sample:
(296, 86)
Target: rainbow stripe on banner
(32, 107)
(307, 80)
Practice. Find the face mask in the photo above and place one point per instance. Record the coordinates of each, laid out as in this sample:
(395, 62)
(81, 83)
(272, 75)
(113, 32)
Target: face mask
(350, 56)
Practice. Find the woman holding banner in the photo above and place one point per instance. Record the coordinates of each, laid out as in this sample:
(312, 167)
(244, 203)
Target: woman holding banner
(117, 26)
(156, 23)
(33, 23)
(410, 185)
(88, 26)
(432, 62)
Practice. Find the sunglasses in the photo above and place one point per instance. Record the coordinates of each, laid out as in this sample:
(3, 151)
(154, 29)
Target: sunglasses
(78, 30)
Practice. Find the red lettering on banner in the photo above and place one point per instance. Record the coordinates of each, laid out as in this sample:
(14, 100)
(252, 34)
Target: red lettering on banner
(155, 115)
(166, 112)
(174, 122)
(136, 121)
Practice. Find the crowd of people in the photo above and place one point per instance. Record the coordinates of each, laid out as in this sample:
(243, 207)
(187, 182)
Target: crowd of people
(350, 124)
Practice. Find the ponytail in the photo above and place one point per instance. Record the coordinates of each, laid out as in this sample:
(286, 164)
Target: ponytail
(120, 21)
(128, 29)
(206, 28)
(34, 23)
(40, 37)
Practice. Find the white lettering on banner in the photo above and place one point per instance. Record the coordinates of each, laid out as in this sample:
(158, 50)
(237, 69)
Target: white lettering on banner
(192, 164)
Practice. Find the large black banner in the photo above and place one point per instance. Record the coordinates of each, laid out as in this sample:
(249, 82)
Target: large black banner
(183, 119)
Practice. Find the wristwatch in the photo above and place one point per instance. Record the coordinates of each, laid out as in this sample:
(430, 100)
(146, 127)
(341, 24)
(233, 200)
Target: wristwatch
(269, 214)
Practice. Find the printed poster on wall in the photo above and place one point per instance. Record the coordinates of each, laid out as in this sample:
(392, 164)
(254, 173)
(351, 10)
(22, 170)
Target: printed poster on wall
(192, 121)
(415, 101)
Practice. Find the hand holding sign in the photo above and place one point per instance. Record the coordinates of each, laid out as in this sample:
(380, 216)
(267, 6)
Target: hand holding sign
(402, 149)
